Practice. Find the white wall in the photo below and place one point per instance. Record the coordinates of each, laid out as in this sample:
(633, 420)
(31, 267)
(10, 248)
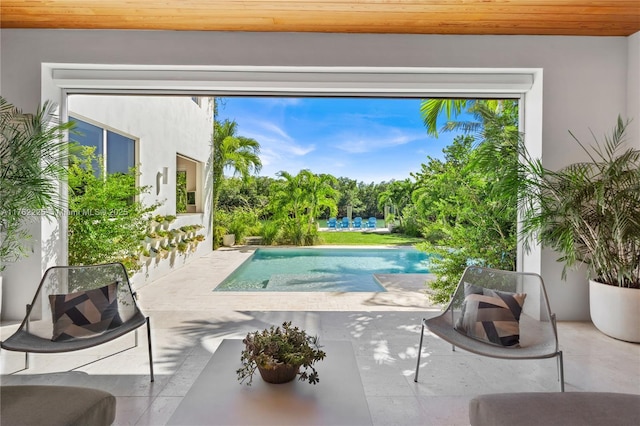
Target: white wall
(633, 88)
(585, 78)
(164, 126)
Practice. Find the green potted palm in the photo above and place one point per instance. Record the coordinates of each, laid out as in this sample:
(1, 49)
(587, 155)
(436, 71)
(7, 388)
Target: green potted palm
(278, 353)
(32, 162)
(589, 212)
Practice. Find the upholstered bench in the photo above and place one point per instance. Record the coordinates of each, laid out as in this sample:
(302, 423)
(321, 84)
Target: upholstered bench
(56, 406)
(555, 408)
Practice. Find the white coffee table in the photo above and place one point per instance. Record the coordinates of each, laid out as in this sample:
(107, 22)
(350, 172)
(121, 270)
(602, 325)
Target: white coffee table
(217, 398)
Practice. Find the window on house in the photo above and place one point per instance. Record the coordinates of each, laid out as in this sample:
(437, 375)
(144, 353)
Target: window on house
(188, 187)
(117, 151)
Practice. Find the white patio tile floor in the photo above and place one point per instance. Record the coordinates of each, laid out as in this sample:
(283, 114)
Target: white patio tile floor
(189, 321)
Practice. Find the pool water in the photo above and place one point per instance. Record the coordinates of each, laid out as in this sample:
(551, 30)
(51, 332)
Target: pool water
(322, 269)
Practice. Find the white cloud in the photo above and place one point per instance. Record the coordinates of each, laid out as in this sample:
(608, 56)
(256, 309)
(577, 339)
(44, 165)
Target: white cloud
(270, 127)
(370, 145)
(376, 140)
(301, 150)
(276, 146)
(275, 102)
(268, 156)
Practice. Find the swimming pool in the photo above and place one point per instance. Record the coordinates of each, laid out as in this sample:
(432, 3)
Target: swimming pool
(322, 269)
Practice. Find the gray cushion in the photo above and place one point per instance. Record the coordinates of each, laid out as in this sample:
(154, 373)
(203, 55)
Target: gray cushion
(555, 408)
(56, 406)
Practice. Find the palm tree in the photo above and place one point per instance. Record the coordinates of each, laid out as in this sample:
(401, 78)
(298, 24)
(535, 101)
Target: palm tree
(320, 193)
(232, 151)
(32, 154)
(288, 206)
(469, 207)
(397, 195)
(432, 109)
(495, 127)
(299, 199)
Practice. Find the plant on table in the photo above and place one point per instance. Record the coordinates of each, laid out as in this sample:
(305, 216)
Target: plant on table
(279, 347)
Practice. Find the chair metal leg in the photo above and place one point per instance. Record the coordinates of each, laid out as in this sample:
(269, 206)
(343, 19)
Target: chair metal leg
(26, 354)
(561, 371)
(149, 342)
(453, 321)
(415, 378)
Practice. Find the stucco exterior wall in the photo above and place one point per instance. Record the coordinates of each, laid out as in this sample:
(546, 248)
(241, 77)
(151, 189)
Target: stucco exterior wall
(586, 82)
(163, 127)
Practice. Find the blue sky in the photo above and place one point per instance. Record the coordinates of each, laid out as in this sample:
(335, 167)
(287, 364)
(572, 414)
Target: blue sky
(369, 140)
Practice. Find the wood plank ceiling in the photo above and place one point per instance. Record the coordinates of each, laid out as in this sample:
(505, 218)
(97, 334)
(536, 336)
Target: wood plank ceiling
(521, 17)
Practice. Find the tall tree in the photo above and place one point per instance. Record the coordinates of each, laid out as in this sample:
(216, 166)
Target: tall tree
(230, 150)
(349, 195)
(398, 195)
(469, 202)
(321, 194)
(298, 200)
(433, 109)
(288, 206)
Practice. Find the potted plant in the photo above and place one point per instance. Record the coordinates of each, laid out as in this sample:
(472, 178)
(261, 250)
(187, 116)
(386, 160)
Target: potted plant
(32, 158)
(182, 247)
(229, 240)
(145, 255)
(278, 353)
(589, 212)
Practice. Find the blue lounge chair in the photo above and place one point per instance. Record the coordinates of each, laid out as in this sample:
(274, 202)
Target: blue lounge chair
(371, 223)
(332, 223)
(357, 223)
(345, 223)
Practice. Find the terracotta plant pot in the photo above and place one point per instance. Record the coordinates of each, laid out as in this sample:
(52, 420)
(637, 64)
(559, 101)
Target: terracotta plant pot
(281, 374)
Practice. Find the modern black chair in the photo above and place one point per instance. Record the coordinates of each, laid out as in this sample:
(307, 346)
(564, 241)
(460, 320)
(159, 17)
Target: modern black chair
(79, 307)
(499, 314)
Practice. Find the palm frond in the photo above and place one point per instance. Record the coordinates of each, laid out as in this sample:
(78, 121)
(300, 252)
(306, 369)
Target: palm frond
(588, 211)
(33, 154)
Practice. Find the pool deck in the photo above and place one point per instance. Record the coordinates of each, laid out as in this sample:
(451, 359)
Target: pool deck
(190, 322)
(193, 286)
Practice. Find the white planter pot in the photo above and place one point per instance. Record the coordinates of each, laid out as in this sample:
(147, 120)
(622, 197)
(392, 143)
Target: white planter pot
(228, 240)
(615, 311)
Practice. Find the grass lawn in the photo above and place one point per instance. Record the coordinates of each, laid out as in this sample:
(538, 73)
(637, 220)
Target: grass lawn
(366, 238)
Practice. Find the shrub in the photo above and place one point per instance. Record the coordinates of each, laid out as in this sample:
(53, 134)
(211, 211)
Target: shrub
(270, 232)
(105, 223)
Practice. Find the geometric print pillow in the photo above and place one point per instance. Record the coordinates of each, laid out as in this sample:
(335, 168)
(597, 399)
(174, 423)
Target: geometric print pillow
(85, 313)
(492, 316)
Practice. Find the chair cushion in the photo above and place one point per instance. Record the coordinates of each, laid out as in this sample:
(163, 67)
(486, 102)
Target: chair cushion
(85, 313)
(36, 405)
(555, 408)
(492, 316)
